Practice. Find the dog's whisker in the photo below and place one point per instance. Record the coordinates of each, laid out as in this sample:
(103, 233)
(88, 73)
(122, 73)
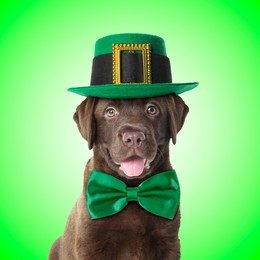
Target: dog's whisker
(159, 152)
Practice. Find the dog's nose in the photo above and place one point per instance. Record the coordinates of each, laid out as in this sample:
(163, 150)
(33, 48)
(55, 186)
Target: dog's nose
(133, 139)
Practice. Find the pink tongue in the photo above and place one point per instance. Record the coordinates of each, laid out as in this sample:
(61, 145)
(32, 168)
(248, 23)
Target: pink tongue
(133, 166)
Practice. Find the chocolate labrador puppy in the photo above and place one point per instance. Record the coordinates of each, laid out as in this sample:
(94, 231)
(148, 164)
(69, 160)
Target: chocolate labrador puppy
(130, 139)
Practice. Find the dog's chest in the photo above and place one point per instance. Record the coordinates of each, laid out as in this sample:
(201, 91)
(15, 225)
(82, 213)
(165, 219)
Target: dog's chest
(131, 234)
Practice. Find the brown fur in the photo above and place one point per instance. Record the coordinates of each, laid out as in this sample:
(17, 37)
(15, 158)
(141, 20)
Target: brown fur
(133, 233)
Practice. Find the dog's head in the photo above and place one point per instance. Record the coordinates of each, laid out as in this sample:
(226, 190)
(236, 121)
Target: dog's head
(131, 136)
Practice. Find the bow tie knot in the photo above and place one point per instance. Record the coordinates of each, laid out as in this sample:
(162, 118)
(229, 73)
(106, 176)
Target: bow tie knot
(131, 193)
(107, 195)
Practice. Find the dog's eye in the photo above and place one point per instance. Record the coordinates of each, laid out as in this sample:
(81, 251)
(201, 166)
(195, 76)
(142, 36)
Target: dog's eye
(152, 110)
(111, 112)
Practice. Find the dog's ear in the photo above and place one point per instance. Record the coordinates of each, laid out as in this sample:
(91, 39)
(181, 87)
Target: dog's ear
(177, 111)
(84, 117)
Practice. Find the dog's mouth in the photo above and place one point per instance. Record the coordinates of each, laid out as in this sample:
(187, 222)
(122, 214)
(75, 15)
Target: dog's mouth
(134, 166)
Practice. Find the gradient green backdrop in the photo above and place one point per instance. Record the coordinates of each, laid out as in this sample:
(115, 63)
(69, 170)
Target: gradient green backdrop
(47, 46)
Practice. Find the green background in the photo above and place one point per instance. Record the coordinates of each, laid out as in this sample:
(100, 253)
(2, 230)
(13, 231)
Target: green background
(47, 46)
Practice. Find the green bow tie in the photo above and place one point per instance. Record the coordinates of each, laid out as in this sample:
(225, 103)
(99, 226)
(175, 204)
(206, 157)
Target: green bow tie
(107, 195)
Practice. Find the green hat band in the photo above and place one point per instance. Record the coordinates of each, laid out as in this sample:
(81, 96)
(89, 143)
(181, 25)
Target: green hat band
(134, 68)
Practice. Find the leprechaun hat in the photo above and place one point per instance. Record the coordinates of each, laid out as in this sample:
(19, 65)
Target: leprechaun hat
(131, 66)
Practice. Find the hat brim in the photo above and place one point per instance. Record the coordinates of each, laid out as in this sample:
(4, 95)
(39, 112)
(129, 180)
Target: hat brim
(133, 90)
